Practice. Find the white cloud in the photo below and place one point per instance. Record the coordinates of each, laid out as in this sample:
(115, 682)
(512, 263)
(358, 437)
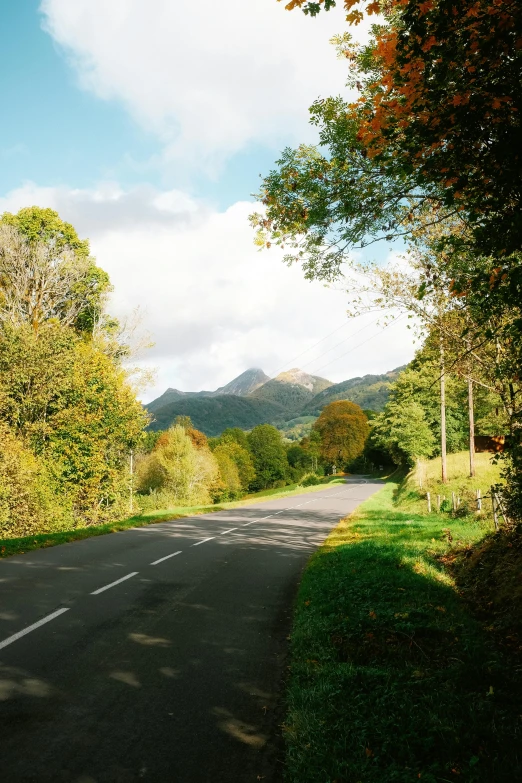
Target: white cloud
(214, 305)
(207, 77)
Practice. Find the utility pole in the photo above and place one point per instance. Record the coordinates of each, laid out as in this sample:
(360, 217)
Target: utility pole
(471, 429)
(131, 499)
(443, 414)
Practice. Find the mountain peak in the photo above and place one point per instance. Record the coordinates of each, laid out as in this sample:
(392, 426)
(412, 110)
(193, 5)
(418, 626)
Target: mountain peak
(313, 383)
(245, 384)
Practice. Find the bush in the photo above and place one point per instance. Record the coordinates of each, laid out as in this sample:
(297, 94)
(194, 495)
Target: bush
(309, 480)
(29, 503)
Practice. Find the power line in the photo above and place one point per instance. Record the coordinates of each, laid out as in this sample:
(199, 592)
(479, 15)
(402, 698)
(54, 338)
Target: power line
(342, 342)
(286, 364)
(395, 320)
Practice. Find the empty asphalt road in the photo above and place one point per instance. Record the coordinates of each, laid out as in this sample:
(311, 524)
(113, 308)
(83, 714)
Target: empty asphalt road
(157, 654)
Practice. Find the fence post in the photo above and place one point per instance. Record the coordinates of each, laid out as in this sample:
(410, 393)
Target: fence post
(428, 497)
(479, 501)
(438, 504)
(494, 504)
(454, 501)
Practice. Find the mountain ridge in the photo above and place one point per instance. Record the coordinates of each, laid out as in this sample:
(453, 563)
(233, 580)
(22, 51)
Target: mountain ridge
(272, 401)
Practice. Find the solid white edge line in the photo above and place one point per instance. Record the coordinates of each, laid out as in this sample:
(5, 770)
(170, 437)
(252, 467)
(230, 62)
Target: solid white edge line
(166, 557)
(33, 627)
(113, 584)
(204, 541)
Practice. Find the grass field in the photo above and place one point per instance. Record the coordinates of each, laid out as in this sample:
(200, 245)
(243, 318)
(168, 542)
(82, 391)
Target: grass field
(391, 678)
(16, 546)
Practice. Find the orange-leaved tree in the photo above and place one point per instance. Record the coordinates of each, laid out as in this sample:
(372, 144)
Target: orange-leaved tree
(343, 428)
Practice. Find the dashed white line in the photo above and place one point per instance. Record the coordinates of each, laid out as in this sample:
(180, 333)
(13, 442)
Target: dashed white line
(113, 584)
(228, 531)
(33, 627)
(173, 554)
(204, 541)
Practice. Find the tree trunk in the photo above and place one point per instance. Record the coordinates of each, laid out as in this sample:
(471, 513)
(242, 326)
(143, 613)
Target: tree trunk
(471, 429)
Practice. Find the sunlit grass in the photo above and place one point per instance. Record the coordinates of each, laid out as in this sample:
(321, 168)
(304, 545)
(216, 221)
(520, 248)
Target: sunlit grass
(391, 678)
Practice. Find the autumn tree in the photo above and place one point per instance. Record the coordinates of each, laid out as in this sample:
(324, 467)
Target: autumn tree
(343, 428)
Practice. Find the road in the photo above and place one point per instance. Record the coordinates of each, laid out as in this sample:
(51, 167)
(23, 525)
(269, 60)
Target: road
(157, 654)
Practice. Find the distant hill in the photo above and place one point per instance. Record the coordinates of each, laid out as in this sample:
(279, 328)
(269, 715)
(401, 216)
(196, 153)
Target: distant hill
(313, 383)
(244, 384)
(252, 398)
(370, 391)
(212, 415)
(291, 396)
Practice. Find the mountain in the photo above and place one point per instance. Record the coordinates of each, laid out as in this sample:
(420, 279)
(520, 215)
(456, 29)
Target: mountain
(245, 384)
(370, 391)
(252, 398)
(313, 383)
(292, 389)
(213, 414)
(291, 396)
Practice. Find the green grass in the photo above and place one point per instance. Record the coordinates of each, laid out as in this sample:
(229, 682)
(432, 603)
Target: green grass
(391, 679)
(426, 478)
(17, 546)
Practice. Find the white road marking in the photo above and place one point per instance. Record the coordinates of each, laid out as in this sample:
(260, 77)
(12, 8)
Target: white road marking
(112, 584)
(166, 557)
(204, 541)
(33, 627)
(228, 531)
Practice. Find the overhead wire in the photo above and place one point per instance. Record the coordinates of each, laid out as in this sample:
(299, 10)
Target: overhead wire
(342, 342)
(286, 364)
(394, 321)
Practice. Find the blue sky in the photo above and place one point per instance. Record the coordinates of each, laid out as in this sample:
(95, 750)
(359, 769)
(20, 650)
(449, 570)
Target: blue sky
(54, 133)
(146, 123)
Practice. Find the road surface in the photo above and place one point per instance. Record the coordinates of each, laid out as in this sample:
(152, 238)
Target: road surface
(157, 654)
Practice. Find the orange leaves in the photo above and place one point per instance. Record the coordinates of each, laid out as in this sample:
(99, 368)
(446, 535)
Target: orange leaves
(429, 43)
(373, 8)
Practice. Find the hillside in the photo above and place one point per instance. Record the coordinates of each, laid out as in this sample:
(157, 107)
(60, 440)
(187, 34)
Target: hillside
(370, 391)
(313, 383)
(291, 396)
(244, 384)
(241, 386)
(212, 415)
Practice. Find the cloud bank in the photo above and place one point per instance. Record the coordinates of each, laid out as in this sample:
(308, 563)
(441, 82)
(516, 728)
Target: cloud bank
(213, 304)
(208, 78)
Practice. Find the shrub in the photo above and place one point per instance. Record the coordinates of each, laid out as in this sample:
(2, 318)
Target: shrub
(309, 480)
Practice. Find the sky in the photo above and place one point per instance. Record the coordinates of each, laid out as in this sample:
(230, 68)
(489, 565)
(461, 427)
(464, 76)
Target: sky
(147, 124)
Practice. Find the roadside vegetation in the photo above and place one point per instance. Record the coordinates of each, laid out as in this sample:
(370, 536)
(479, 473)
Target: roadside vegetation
(404, 660)
(20, 545)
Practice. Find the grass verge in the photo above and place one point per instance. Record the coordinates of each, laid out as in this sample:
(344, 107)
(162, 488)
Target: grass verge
(391, 678)
(17, 546)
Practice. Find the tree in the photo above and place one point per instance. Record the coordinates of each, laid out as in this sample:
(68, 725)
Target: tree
(46, 273)
(268, 455)
(236, 435)
(228, 471)
(403, 431)
(343, 428)
(177, 469)
(440, 105)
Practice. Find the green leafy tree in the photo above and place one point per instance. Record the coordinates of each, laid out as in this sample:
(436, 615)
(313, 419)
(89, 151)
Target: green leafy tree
(268, 455)
(236, 435)
(402, 430)
(228, 471)
(179, 472)
(46, 273)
